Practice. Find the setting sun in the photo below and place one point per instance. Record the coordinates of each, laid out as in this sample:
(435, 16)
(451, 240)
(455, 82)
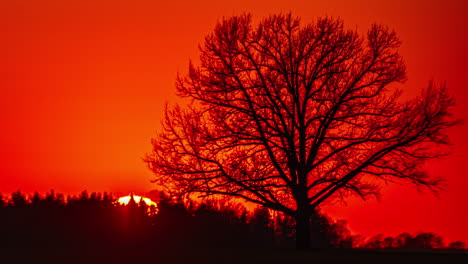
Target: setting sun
(152, 206)
(126, 199)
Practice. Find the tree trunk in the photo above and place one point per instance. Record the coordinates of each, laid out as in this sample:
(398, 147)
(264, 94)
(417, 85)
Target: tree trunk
(302, 231)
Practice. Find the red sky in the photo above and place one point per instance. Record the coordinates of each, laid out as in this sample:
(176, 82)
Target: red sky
(83, 85)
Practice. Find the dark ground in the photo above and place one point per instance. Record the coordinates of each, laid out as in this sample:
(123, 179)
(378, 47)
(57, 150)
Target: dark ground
(224, 255)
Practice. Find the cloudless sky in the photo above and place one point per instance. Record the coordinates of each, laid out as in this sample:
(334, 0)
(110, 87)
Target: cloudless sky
(83, 86)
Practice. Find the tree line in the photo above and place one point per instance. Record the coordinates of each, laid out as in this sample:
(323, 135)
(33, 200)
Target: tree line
(97, 220)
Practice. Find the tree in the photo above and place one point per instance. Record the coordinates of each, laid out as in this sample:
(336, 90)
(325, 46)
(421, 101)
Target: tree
(18, 199)
(2, 201)
(286, 115)
(423, 240)
(457, 245)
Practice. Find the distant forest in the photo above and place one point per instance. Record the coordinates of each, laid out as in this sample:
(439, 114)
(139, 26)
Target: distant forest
(96, 220)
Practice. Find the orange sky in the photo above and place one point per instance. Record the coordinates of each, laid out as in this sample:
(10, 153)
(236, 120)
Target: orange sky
(83, 86)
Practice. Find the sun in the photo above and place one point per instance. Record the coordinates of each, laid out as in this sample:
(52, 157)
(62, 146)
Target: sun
(152, 206)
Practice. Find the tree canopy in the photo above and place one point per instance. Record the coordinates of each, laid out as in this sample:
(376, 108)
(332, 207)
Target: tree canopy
(285, 114)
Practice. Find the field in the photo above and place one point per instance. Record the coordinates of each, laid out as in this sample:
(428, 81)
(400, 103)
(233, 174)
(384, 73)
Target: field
(222, 255)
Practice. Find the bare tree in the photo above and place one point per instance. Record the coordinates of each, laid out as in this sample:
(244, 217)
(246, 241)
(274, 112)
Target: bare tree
(285, 115)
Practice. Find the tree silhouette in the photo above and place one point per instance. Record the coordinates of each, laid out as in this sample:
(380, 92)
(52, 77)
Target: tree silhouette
(457, 245)
(18, 199)
(421, 240)
(2, 201)
(285, 115)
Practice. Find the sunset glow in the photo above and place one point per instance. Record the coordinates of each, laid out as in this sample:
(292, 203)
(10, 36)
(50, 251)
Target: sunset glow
(126, 199)
(152, 206)
(84, 85)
